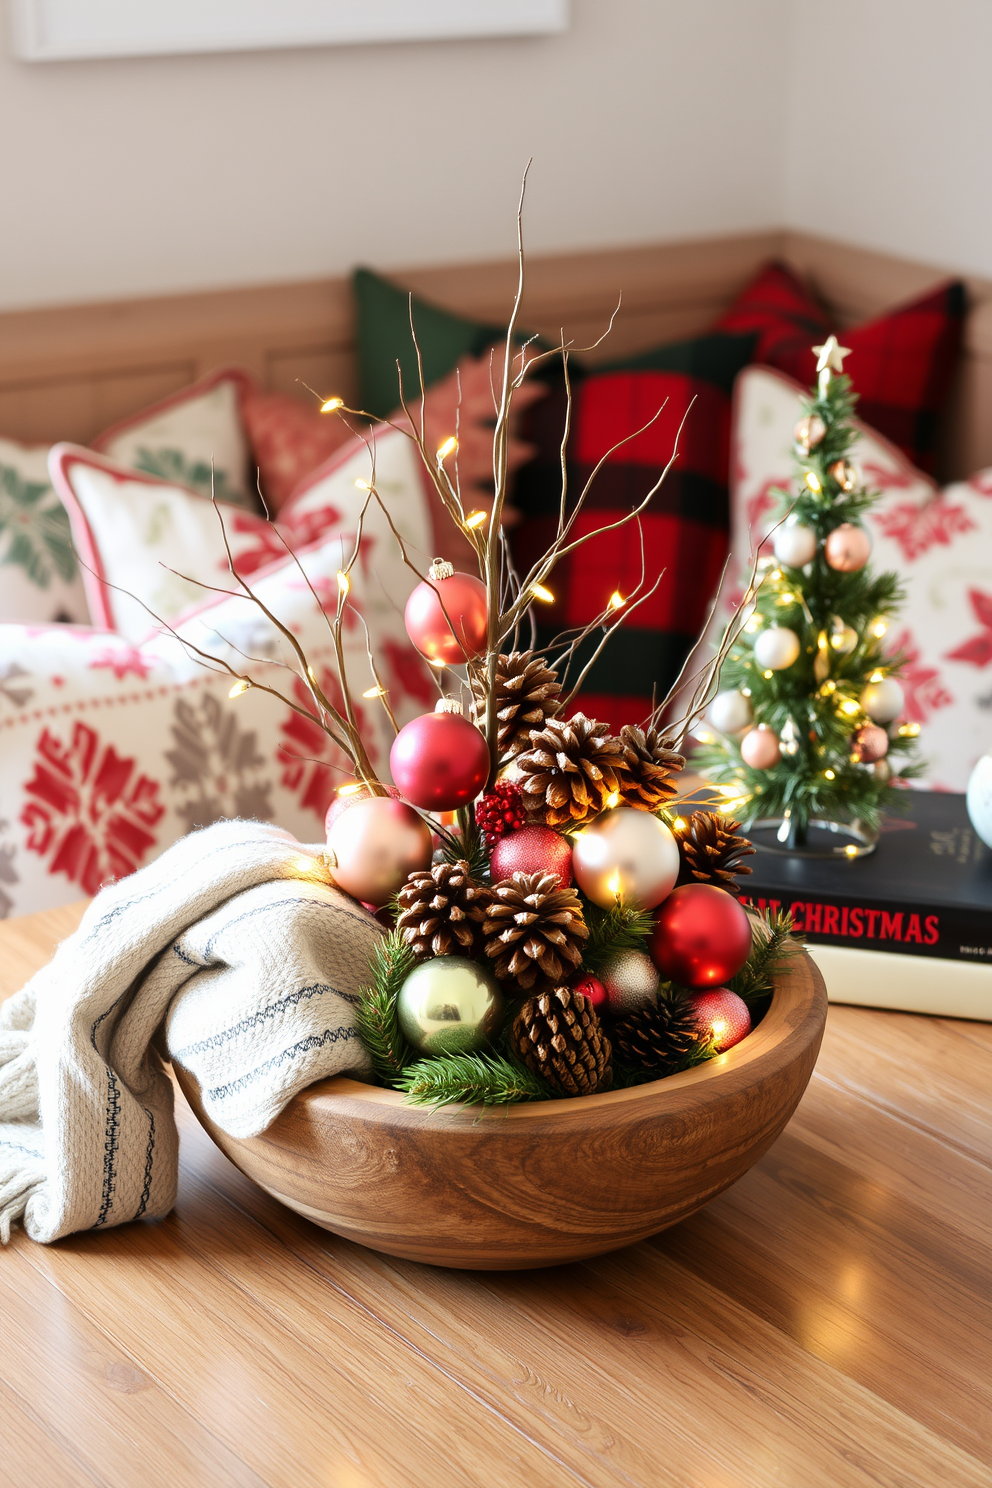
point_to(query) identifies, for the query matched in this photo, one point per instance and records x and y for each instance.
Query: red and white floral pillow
(939, 541)
(110, 750)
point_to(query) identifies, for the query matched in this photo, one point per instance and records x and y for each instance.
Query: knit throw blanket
(234, 946)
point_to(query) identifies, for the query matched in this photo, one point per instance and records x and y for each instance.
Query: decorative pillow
(110, 751)
(684, 528)
(939, 541)
(39, 576)
(193, 439)
(902, 363)
(288, 440)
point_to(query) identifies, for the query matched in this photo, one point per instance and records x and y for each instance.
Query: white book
(908, 984)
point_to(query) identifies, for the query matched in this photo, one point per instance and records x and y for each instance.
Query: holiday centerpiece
(558, 925)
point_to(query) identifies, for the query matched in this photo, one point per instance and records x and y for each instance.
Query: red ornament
(722, 1016)
(350, 796)
(500, 811)
(447, 619)
(702, 936)
(870, 743)
(532, 850)
(439, 761)
(592, 988)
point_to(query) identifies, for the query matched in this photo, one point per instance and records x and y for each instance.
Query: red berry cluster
(500, 811)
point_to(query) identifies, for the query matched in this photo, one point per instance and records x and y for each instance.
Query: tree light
(850, 707)
(332, 405)
(362, 485)
(544, 595)
(829, 775)
(373, 692)
(879, 628)
(850, 850)
(813, 482)
(242, 685)
(908, 730)
(614, 885)
(448, 447)
(476, 519)
(876, 677)
(616, 600)
(767, 676)
(613, 799)
(344, 583)
(349, 790)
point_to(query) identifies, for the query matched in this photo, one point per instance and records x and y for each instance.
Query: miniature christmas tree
(809, 715)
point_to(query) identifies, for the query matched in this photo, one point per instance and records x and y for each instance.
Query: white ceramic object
(979, 798)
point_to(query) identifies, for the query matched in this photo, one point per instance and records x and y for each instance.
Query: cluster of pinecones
(569, 769)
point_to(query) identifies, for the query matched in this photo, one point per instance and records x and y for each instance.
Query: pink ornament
(373, 847)
(847, 548)
(870, 743)
(592, 988)
(532, 850)
(447, 618)
(760, 748)
(722, 1016)
(350, 796)
(702, 936)
(439, 761)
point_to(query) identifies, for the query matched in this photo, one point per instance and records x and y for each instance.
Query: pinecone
(568, 770)
(711, 851)
(649, 767)
(658, 1035)
(441, 910)
(534, 930)
(527, 692)
(560, 1038)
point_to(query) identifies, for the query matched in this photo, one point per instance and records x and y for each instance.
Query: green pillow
(383, 336)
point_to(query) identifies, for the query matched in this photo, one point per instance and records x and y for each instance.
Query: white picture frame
(65, 30)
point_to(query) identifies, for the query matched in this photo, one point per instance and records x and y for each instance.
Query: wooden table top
(828, 1321)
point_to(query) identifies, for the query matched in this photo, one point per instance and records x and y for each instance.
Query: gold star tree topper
(830, 358)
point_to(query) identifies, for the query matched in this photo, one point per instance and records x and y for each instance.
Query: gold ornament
(809, 432)
(449, 1005)
(847, 476)
(843, 638)
(627, 857)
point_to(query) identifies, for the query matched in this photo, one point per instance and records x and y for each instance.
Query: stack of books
(908, 927)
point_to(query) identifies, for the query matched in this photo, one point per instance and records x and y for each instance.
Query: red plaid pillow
(902, 363)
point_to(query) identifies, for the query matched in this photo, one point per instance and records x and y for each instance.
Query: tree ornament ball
(625, 856)
(350, 796)
(871, 743)
(592, 988)
(440, 761)
(721, 1016)
(760, 748)
(794, 545)
(776, 648)
(730, 712)
(532, 850)
(449, 1005)
(789, 738)
(447, 617)
(847, 476)
(374, 846)
(631, 982)
(883, 701)
(843, 638)
(882, 772)
(979, 798)
(702, 936)
(848, 548)
(809, 432)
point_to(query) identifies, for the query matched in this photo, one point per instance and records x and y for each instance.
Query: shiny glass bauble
(532, 850)
(440, 761)
(447, 618)
(702, 937)
(374, 846)
(449, 1005)
(625, 856)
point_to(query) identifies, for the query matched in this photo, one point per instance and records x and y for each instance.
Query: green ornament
(449, 1005)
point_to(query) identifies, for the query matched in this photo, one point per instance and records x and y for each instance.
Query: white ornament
(730, 712)
(883, 701)
(625, 856)
(979, 798)
(794, 545)
(776, 648)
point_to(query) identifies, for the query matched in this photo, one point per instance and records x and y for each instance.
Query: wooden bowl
(542, 1183)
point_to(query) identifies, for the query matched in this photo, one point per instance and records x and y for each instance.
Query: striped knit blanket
(231, 954)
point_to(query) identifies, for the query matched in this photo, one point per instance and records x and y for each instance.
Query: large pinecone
(568, 771)
(441, 910)
(560, 1038)
(658, 1035)
(650, 765)
(534, 930)
(527, 693)
(711, 851)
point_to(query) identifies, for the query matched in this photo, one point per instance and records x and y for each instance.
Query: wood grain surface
(825, 1323)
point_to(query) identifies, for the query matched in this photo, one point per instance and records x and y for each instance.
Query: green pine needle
(619, 928)
(471, 1080)
(768, 954)
(375, 1016)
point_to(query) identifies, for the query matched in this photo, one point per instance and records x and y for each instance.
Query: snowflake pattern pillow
(111, 750)
(938, 541)
(39, 576)
(195, 439)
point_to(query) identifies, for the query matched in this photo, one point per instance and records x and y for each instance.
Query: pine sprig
(375, 1015)
(469, 846)
(471, 1080)
(619, 928)
(756, 977)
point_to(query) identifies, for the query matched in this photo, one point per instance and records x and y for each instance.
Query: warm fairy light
(349, 790)
(813, 482)
(879, 628)
(614, 884)
(372, 692)
(908, 730)
(876, 677)
(332, 405)
(448, 447)
(362, 485)
(242, 685)
(432, 661)
(732, 792)
(616, 600)
(850, 707)
(613, 799)
(476, 519)
(776, 575)
(344, 583)
(544, 595)
(767, 675)
(679, 824)
(850, 851)
(786, 599)
(753, 624)
(304, 865)
(829, 775)
(828, 687)
(704, 737)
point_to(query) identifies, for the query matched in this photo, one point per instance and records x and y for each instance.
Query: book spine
(912, 930)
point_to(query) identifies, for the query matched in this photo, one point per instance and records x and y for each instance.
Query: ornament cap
(441, 569)
(448, 705)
